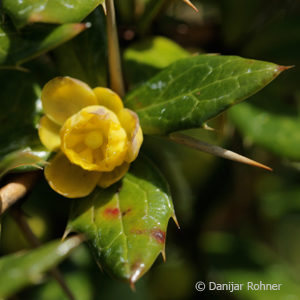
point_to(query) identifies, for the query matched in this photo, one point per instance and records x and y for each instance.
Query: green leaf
(277, 132)
(17, 48)
(21, 269)
(194, 90)
(54, 11)
(20, 158)
(126, 223)
(146, 58)
(19, 113)
(85, 56)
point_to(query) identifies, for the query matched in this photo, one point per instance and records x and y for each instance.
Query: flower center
(94, 139)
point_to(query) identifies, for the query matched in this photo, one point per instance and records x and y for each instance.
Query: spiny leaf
(21, 269)
(54, 11)
(126, 223)
(194, 90)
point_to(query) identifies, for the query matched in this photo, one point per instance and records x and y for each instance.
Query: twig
(20, 219)
(186, 140)
(114, 59)
(16, 189)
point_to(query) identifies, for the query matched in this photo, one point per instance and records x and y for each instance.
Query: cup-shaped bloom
(95, 136)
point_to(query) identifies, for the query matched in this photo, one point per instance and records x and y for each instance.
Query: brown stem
(20, 219)
(114, 59)
(16, 189)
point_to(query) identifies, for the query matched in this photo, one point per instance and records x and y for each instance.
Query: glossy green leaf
(146, 58)
(54, 11)
(277, 132)
(19, 112)
(20, 158)
(194, 90)
(126, 223)
(21, 269)
(85, 57)
(17, 48)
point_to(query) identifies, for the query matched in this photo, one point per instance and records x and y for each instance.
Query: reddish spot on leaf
(198, 93)
(125, 212)
(138, 231)
(111, 212)
(159, 235)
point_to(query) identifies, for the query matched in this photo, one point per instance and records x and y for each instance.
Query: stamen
(94, 139)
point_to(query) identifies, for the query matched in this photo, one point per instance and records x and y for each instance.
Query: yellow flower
(95, 136)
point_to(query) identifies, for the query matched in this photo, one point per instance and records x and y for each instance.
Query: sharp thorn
(132, 286)
(104, 8)
(163, 254)
(175, 221)
(207, 127)
(215, 150)
(283, 68)
(189, 3)
(66, 233)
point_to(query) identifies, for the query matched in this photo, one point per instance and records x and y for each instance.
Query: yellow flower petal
(116, 148)
(64, 96)
(130, 122)
(49, 134)
(94, 139)
(68, 179)
(108, 178)
(109, 99)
